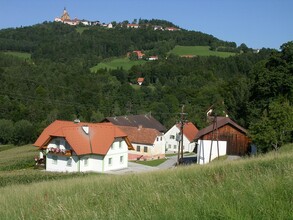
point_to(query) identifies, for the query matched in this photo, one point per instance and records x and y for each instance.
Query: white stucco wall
(116, 152)
(153, 150)
(88, 163)
(172, 143)
(205, 147)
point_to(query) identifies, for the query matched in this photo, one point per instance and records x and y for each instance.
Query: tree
(275, 127)
(6, 131)
(24, 132)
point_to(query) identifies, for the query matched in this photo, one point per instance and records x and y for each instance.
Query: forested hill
(64, 43)
(45, 75)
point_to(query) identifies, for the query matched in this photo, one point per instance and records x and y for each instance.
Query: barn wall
(237, 142)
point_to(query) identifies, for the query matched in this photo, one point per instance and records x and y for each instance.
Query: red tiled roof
(221, 121)
(139, 53)
(189, 130)
(140, 135)
(97, 141)
(140, 79)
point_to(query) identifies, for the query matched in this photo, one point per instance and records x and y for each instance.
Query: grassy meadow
(21, 55)
(17, 166)
(198, 51)
(115, 63)
(253, 188)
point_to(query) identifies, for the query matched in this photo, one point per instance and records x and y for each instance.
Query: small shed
(225, 129)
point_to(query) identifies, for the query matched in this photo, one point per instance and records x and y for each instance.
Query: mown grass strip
(152, 163)
(198, 51)
(117, 63)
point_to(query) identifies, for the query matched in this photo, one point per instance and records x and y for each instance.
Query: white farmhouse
(66, 146)
(148, 143)
(172, 137)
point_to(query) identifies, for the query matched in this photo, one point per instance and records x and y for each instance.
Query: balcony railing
(61, 152)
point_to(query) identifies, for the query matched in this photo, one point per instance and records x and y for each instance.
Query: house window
(121, 159)
(86, 161)
(67, 146)
(145, 149)
(172, 136)
(169, 146)
(120, 144)
(138, 148)
(54, 160)
(175, 147)
(157, 138)
(161, 138)
(69, 162)
(57, 143)
(110, 161)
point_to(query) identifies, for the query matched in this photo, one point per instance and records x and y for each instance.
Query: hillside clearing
(116, 63)
(21, 55)
(198, 51)
(253, 188)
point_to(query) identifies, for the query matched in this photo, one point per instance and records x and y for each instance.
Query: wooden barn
(224, 129)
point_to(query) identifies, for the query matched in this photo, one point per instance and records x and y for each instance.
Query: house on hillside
(172, 137)
(138, 53)
(133, 26)
(69, 146)
(224, 129)
(144, 120)
(153, 58)
(148, 143)
(172, 29)
(140, 80)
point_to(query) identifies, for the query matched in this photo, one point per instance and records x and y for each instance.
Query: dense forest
(255, 89)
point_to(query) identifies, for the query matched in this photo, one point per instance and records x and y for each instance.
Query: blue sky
(257, 23)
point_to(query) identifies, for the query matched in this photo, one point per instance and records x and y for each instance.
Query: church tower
(65, 15)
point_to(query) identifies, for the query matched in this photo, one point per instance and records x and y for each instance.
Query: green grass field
(22, 55)
(115, 63)
(252, 188)
(198, 51)
(17, 166)
(152, 163)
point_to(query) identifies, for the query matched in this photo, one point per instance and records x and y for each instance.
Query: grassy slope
(198, 51)
(22, 55)
(126, 64)
(115, 63)
(256, 188)
(17, 167)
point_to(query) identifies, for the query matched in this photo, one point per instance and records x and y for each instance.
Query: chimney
(76, 121)
(139, 127)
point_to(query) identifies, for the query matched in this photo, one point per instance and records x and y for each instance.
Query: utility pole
(182, 122)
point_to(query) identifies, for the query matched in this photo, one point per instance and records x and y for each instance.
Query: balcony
(61, 152)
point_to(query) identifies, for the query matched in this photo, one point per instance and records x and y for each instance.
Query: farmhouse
(133, 26)
(144, 120)
(148, 143)
(69, 146)
(224, 129)
(172, 137)
(153, 58)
